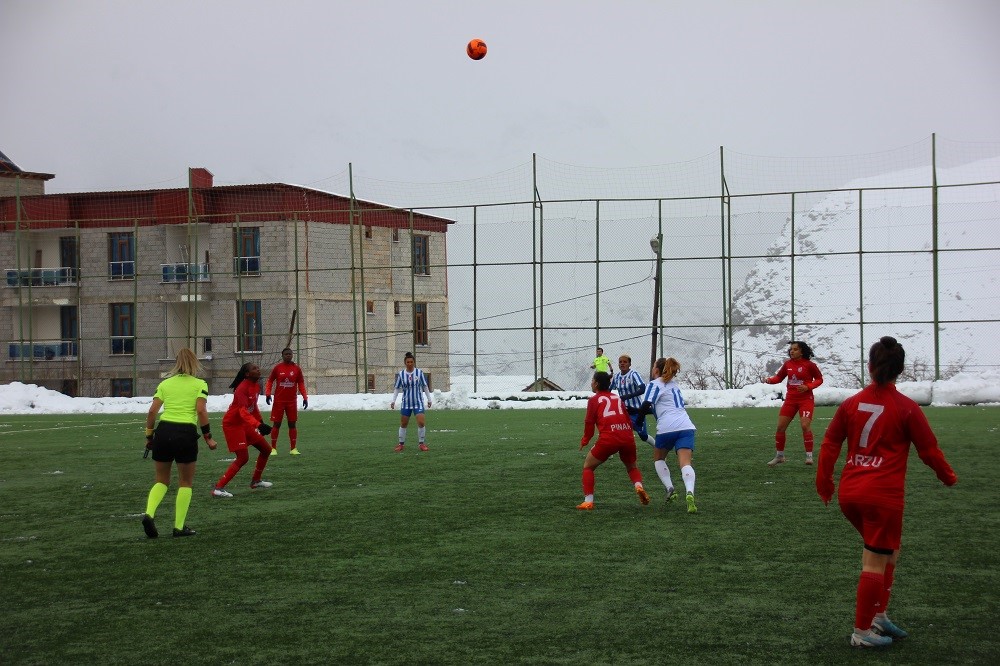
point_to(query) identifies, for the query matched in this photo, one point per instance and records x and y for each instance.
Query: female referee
(183, 397)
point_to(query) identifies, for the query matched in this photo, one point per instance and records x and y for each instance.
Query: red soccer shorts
(241, 436)
(805, 407)
(602, 451)
(288, 409)
(880, 527)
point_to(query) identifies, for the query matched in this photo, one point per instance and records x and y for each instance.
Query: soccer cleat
(260, 484)
(274, 450)
(643, 495)
(585, 506)
(219, 492)
(690, 502)
(671, 495)
(149, 527)
(809, 459)
(776, 460)
(294, 452)
(423, 447)
(187, 531)
(885, 626)
(399, 448)
(869, 640)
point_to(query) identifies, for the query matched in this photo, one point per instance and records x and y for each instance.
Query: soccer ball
(476, 49)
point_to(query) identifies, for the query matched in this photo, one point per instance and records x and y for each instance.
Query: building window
(246, 250)
(395, 307)
(420, 323)
(121, 387)
(122, 328)
(421, 254)
(395, 234)
(370, 307)
(121, 256)
(371, 383)
(68, 330)
(207, 346)
(68, 259)
(249, 327)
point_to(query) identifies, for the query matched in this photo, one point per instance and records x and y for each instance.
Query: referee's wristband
(149, 432)
(206, 429)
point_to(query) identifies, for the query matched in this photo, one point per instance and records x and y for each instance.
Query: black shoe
(187, 531)
(149, 527)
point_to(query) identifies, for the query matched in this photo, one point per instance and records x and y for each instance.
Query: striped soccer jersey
(668, 406)
(412, 386)
(629, 384)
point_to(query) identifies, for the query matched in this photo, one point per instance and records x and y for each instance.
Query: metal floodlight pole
(656, 244)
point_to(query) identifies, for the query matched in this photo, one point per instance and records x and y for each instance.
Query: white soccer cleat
(219, 492)
(260, 484)
(775, 461)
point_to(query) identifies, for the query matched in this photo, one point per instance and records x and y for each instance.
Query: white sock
(638, 484)
(650, 440)
(687, 472)
(588, 498)
(420, 434)
(663, 472)
(402, 435)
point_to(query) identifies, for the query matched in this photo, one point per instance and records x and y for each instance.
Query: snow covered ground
(505, 393)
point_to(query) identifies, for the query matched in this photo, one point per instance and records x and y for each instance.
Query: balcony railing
(185, 273)
(122, 345)
(41, 277)
(50, 350)
(246, 265)
(121, 270)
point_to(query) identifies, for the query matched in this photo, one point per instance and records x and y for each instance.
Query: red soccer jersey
(243, 411)
(606, 412)
(878, 423)
(799, 373)
(285, 378)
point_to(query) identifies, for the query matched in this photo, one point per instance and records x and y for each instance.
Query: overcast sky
(126, 94)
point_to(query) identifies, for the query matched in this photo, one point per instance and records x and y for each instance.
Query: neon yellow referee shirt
(179, 395)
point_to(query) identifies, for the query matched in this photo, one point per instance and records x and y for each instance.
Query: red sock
(779, 441)
(635, 475)
(807, 439)
(241, 459)
(293, 435)
(870, 589)
(588, 481)
(889, 575)
(274, 438)
(258, 469)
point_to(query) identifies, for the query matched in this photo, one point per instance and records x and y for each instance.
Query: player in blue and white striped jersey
(674, 429)
(412, 383)
(630, 388)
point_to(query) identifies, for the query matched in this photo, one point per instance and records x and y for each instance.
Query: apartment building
(103, 288)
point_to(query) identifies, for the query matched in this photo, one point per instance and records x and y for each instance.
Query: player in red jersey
(606, 412)
(803, 376)
(287, 380)
(243, 428)
(879, 423)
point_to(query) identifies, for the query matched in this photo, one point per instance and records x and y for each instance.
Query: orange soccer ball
(476, 49)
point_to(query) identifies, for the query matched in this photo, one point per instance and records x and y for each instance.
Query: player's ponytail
(885, 360)
(667, 368)
(241, 375)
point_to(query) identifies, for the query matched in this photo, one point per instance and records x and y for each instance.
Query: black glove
(267, 399)
(305, 403)
(264, 429)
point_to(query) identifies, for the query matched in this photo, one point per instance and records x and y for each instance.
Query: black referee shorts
(175, 441)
